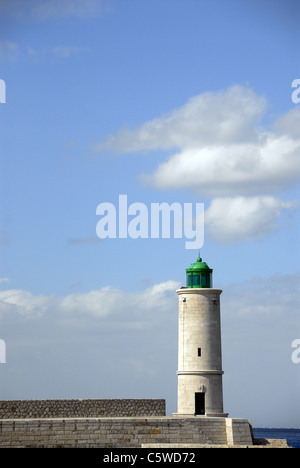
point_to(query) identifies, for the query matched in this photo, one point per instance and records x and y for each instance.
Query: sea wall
(77, 408)
(122, 432)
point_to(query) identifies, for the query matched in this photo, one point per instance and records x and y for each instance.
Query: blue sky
(164, 101)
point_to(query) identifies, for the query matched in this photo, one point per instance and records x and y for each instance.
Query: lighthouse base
(200, 393)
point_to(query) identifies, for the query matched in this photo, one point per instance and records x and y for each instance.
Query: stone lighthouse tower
(199, 372)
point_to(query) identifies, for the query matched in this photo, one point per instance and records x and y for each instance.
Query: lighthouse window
(196, 280)
(205, 281)
(199, 352)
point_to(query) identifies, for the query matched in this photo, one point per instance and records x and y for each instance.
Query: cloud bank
(208, 119)
(220, 150)
(131, 308)
(101, 344)
(232, 219)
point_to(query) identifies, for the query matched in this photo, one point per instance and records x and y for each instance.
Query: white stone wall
(120, 432)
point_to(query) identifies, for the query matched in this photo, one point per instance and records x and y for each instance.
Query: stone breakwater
(122, 432)
(79, 408)
(126, 423)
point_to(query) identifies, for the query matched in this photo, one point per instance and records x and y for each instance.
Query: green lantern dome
(199, 275)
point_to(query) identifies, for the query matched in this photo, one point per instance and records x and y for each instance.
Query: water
(291, 435)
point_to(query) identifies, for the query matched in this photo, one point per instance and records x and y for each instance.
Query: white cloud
(129, 350)
(232, 219)
(223, 151)
(260, 320)
(41, 10)
(241, 169)
(9, 50)
(24, 303)
(207, 119)
(4, 280)
(289, 124)
(44, 9)
(61, 51)
(276, 297)
(132, 308)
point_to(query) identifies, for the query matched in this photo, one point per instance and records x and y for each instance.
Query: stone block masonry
(122, 432)
(77, 408)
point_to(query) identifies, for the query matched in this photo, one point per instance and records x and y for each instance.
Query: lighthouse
(200, 391)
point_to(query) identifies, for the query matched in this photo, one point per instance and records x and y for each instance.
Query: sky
(164, 101)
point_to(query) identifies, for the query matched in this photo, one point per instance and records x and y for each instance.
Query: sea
(291, 435)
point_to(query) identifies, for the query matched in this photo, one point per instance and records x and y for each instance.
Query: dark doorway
(200, 403)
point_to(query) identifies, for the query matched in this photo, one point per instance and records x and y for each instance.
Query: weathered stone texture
(199, 331)
(116, 432)
(77, 408)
